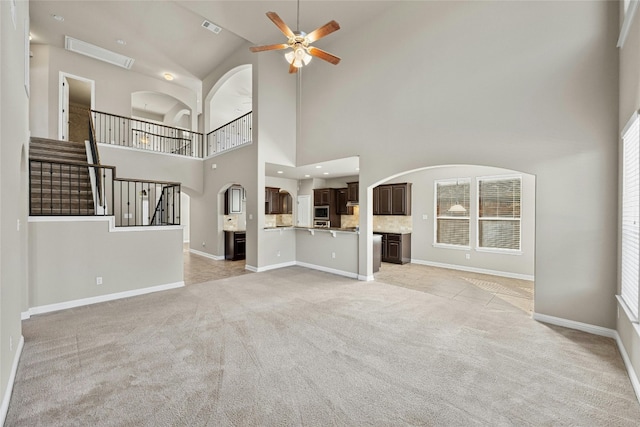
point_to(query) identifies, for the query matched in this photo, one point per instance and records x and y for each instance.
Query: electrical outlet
(18, 225)
(98, 280)
(467, 256)
(204, 244)
(333, 254)
(278, 253)
(425, 216)
(250, 216)
(10, 343)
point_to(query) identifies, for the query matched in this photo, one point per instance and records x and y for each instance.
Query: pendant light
(457, 208)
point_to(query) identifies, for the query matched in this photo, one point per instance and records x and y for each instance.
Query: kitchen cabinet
(235, 245)
(271, 200)
(342, 208)
(385, 200)
(323, 196)
(353, 192)
(392, 199)
(396, 247)
(233, 200)
(286, 203)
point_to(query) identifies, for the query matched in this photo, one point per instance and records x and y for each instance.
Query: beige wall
(629, 102)
(14, 134)
(125, 259)
(526, 86)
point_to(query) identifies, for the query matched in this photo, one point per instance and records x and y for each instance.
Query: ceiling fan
(300, 42)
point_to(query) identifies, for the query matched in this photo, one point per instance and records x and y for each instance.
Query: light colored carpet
(300, 347)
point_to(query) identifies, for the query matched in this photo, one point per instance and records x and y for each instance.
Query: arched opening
(471, 232)
(160, 108)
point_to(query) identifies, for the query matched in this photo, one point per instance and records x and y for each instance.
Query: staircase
(60, 183)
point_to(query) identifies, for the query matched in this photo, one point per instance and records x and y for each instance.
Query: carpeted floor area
(300, 347)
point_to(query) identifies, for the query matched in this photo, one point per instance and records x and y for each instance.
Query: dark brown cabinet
(396, 247)
(384, 200)
(271, 200)
(286, 203)
(342, 208)
(323, 196)
(353, 192)
(392, 199)
(235, 243)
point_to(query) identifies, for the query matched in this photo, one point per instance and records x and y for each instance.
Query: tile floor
(482, 290)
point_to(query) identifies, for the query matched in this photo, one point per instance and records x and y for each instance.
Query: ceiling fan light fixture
(297, 57)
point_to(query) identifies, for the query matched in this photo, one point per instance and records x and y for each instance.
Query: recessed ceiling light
(325, 173)
(280, 172)
(168, 76)
(307, 176)
(357, 169)
(318, 167)
(122, 42)
(58, 18)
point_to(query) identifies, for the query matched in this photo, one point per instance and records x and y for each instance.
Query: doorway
(76, 100)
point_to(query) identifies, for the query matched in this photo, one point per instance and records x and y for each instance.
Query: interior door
(303, 213)
(64, 110)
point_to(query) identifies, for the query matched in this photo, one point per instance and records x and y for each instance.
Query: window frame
(631, 306)
(504, 251)
(452, 181)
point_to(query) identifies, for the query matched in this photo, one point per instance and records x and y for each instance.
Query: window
(630, 214)
(452, 212)
(499, 213)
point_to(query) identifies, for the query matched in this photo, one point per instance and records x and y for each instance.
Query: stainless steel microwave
(321, 212)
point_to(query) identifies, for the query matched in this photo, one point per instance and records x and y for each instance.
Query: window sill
(500, 251)
(629, 314)
(455, 247)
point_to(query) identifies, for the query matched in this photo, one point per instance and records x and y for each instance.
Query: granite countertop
(345, 230)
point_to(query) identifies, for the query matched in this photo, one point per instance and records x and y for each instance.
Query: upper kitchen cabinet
(323, 196)
(233, 200)
(342, 197)
(286, 203)
(271, 200)
(353, 192)
(392, 199)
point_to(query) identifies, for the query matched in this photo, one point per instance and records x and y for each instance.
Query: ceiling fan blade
(268, 47)
(292, 69)
(323, 31)
(280, 24)
(319, 53)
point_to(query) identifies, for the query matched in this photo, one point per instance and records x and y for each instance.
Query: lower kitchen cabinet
(235, 243)
(396, 247)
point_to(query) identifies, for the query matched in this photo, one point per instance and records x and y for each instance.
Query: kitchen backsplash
(234, 223)
(350, 221)
(270, 221)
(392, 223)
(284, 220)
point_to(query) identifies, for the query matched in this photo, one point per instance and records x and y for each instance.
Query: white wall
(14, 135)
(527, 86)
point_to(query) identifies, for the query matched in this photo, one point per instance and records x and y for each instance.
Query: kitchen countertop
(344, 230)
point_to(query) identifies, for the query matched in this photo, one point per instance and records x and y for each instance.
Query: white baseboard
(328, 270)
(474, 270)
(366, 278)
(251, 268)
(206, 255)
(572, 324)
(12, 377)
(633, 376)
(102, 298)
(273, 266)
(597, 330)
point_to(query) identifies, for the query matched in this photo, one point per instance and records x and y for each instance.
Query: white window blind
(630, 214)
(452, 212)
(499, 213)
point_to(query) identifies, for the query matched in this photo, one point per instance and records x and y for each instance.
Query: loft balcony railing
(82, 189)
(133, 133)
(236, 133)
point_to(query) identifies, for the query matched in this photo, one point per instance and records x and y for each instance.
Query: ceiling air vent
(211, 27)
(96, 52)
